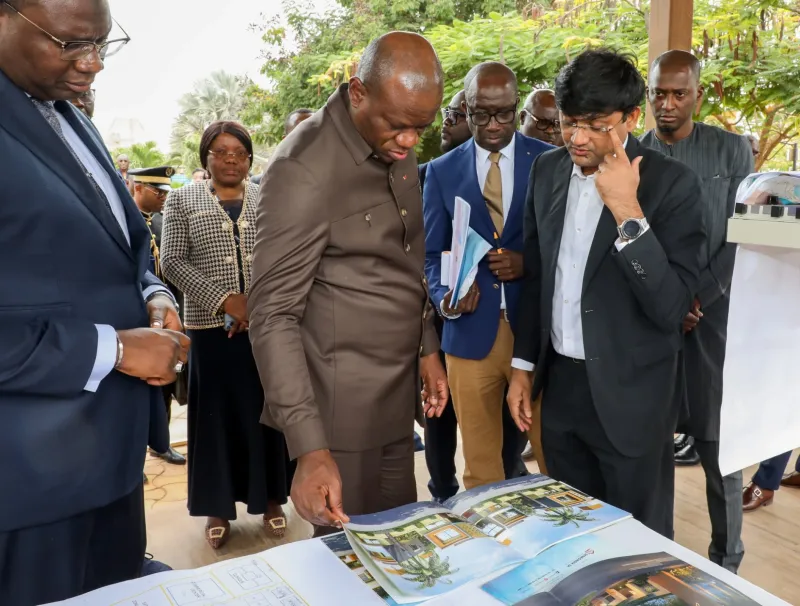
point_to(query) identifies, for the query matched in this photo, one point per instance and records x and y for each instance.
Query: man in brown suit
(340, 322)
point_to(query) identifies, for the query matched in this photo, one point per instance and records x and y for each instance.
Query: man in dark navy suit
(87, 333)
(490, 172)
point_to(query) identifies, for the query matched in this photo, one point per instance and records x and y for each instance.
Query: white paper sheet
(761, 397)
(300, 574)
(461, 213)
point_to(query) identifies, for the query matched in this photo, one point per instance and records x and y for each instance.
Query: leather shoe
(754, 497)
(687, 455)
(171, 456)
(792, 480)
(680, 441)
(528, 454)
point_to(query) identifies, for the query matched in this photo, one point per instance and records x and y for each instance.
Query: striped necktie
(48, 110)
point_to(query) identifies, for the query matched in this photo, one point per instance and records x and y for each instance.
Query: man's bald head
(396, 93)
(675, 94)
(491, 99)
(539, 117)
(490, 72)
(676, 60)
(401, 56)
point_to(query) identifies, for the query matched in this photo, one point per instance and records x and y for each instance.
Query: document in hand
(466, 252)
(423, 550)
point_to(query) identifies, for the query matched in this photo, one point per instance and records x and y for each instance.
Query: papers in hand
(460, 264)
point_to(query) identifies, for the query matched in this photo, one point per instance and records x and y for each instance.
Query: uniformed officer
(150, 189)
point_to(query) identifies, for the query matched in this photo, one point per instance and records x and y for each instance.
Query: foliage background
(748, 48)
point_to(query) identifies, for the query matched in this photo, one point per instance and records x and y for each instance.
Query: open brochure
(423, 550)
(609, 568)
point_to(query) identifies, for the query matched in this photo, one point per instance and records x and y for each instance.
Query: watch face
(631, 228)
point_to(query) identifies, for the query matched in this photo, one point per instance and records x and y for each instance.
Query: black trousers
(577, 451)
(63, 559)
(441, 440)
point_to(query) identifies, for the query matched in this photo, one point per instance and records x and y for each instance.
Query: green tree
(748, 49)
(221, 96)
(301, 45)
(561, 516)
(427, 571)
(142, 155)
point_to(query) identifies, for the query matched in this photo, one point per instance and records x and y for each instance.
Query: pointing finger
(619, 149)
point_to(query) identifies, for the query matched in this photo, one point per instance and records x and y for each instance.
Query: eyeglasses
(77, 50)
(546, 125)
(159, 193)
(570, 128)
(239, 154)
(453, 115)
(504, 116)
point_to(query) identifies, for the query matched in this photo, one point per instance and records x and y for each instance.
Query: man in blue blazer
(491, 173)
(86, 332)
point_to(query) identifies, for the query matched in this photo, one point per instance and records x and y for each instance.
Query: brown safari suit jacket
(339, 311)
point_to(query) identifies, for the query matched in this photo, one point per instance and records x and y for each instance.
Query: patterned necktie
(493, 192)
(48, 110)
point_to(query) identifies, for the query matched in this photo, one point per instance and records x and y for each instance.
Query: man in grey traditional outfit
(721, 159)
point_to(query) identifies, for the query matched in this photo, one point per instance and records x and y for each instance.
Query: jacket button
(408, 247)
(403, 212)
(244, 224)
(249, 258)
(228, 259)
(496, 286)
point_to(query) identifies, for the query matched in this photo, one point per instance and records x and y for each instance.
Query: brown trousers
(477, 388)
(375, 480)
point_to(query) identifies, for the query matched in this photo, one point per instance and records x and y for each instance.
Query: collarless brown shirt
(339, 304)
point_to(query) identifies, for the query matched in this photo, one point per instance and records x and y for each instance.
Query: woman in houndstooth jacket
(206, 251)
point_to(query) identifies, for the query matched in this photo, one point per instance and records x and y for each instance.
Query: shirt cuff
(447, 315)
(521, 364)
(150, 290)
(106, 356)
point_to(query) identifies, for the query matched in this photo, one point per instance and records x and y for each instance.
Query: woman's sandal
(275, 526)
(217, 536)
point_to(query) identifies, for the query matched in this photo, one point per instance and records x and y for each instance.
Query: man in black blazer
(82, 322)
(613, 240)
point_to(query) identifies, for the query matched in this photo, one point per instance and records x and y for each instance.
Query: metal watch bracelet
(120, 353)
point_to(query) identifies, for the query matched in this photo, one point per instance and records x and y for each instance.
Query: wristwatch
(630, 229)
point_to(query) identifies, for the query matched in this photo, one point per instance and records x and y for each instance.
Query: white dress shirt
(506, 163)
(106, 335)
(582, 214)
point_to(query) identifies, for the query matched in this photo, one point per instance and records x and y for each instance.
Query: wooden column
(670, 29)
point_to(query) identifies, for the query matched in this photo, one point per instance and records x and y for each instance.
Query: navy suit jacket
(472, 336)
(65, 267)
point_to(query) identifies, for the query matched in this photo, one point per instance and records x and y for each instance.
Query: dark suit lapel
(95, 203)
(554, 221)
(522, 164)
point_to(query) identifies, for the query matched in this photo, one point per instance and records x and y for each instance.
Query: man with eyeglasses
(613, 245)
(490, 173)
(150, 189)
(722, 160)
(539, 118)
(88, 333)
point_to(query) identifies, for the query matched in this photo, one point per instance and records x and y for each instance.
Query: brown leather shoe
(754, 497)
(792, 480)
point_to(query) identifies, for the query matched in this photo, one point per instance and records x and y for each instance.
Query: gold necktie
(493, 192)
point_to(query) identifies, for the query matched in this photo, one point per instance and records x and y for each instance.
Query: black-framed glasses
(453, 114)
(545, 125)
(80, 49)
(504, 116)
(239, 155)
(593, 131)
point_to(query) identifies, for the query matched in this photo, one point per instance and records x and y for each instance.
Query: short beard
(668, 128)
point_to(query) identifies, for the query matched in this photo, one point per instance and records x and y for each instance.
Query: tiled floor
(771, 535)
